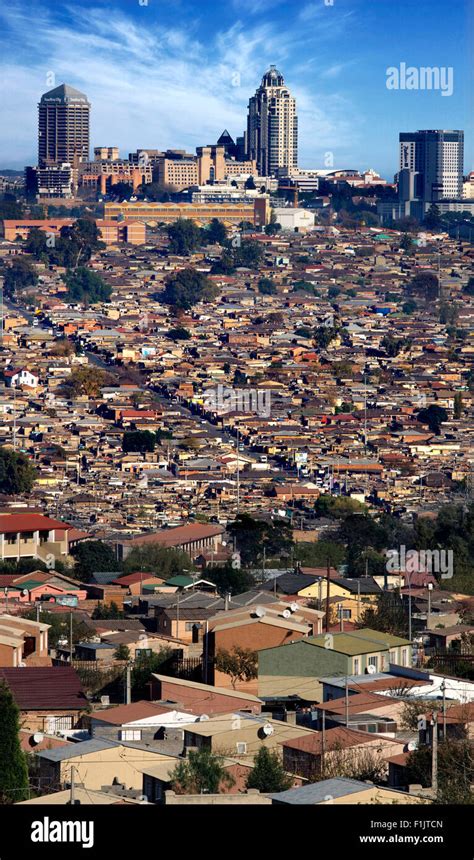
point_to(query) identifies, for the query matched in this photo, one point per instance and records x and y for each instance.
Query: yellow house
(351, 597)
(96, 763)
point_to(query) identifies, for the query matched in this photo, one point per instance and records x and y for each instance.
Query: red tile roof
(45, 688)
(177, 536)
(28, 523)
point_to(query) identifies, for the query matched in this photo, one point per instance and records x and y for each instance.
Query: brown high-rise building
(63, 127)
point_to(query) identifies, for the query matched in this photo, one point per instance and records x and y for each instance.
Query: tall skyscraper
(63, 127)
(438, 159)
(272, 125)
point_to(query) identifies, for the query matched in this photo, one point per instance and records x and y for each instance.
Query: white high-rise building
(438, 158)
(272, 126)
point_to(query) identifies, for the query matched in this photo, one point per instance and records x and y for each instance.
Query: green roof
(29, 584)
(180, 580)
(357, 642)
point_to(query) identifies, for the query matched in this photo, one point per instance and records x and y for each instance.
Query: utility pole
(434, 755)
(347, 701)
(443, 690)
(238, 471)
(128, 691)
(72, 796)
(323, 743)
(327, 594)
(70, 637)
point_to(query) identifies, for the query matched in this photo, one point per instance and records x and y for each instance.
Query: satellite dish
(105, 700)
(25, 592)
(286, 613)
(412, 745)
(371, 670)
(38, 737)
(268, 730)
(260, 612)
(203, 718)
(294, 607)
(22, 665)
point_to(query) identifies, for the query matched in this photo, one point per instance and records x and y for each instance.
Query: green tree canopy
(155, 558)
(19, 275)
(139, 441)
(184, 236)
(86, 286)
(201, 772)
(268, 773)
(186, 288)
(253, 536)
(240, 664)
(17, 473)
(215, 233)
(93, 556)
(13, 767)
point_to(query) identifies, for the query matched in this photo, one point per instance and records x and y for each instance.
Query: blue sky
(175, 73)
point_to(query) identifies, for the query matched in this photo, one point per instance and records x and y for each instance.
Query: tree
(230, 580)
(433, 416)
(138, 441)
(121, 190)
(267, 287)
(107, 610)
(389, 616)
(469, 288)
(17, 474)
(249, 254)
(185, 288)
(155, 558)
(216, 233)
(19, 275)
(406, 242)
(337, 507)
(425, 284)
(13, 766)
(457, 413)
(179, 333)
(184, 236)
(392, 345)
(86, 286)
(93, 556)
(268, 773)
(409, 307)
(433, 217)
(143, 668)
(455, 770)
(253, 536)
(202, 772)
(240, 664)
(122, 652)
(86, 380)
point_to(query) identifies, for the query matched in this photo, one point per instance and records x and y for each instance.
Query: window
(241, 748)
(143, 652)
(374, 661)
(130, 735)
(356, 666)
(27, 536)
(404, 656)
(11, 539)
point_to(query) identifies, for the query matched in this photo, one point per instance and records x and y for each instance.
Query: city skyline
(152, 83)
